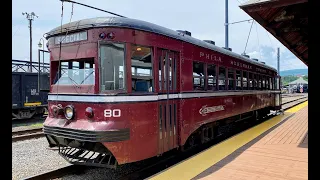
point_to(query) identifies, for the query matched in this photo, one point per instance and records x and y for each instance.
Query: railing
(24, 66)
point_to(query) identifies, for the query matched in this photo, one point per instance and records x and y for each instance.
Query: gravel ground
(101, 174)
(31, 157)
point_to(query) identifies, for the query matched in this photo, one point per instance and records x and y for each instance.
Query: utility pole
(226, 26)
(278, 61)
(30, 18)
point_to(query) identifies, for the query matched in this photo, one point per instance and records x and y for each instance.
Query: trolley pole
(30, 18)
(278, 57)
(226, 25)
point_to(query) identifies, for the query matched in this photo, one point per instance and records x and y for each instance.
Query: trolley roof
(145, 26)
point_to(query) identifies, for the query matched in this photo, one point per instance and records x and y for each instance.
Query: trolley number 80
(112, 113)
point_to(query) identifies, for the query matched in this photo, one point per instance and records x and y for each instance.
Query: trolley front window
(112, 76)
(76, 72)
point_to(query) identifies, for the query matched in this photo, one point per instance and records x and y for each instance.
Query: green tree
(287, 79)
(305, 78)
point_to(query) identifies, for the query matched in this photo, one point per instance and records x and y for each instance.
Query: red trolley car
(134, 90)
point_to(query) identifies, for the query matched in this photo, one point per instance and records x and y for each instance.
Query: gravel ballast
(31, 157)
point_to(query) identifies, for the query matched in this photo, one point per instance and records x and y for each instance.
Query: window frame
(250, 79)
(200, 77)
(233, 79)
(263, 82)
(247, 80)
(270, 83)
(255, 81)
(153, 74)
(82, 62)
(238, 80)
(225, 78)
(215, 78)
(125, 64)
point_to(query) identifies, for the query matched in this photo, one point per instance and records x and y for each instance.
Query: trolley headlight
(69, 112)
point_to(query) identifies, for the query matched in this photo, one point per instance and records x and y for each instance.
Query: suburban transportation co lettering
(239, 64)
(206, 110)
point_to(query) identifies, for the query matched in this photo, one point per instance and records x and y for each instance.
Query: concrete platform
(276, 149)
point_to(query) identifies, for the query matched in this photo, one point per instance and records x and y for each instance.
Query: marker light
(89, 112)
(110, 35)
(69, 112)
(102, 35)
(56, 110)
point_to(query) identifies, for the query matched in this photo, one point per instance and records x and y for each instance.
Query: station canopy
(298, 81)
(286, 20)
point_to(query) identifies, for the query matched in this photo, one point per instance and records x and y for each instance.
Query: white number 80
(112, 113)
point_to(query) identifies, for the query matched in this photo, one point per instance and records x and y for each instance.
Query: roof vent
(229, 49)
(255, 59)
(263, 62)
(184, 32)
(245, 55)
(210, 42)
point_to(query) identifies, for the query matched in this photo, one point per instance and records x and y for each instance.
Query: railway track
(43, 117)
(155, 165)
(27, 134)
(292, 95)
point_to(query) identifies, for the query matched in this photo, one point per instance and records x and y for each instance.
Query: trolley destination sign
(70, 38)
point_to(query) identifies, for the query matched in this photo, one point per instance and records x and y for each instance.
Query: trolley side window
(245, 80)
(238, 79)
(198, 76)
(255, 84)
(263, 82)
(212, 78)
(251, 81)
(231, 79)
(259, 82)
(222, 78)
(270, 82)
(112, 75)
(141, 69)
(277, 83)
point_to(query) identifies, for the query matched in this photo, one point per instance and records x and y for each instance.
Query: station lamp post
(41, 45)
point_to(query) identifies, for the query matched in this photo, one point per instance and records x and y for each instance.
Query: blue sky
(204, 19)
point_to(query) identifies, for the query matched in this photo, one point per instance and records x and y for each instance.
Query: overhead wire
(258, 39)
(93, 8)
(281, 59)
(16, 31)
(244, 52)
(18, 27)
(275, 50)
(60, 47)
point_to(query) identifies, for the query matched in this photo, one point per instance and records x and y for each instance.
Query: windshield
(112, 76)
(76, 73)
